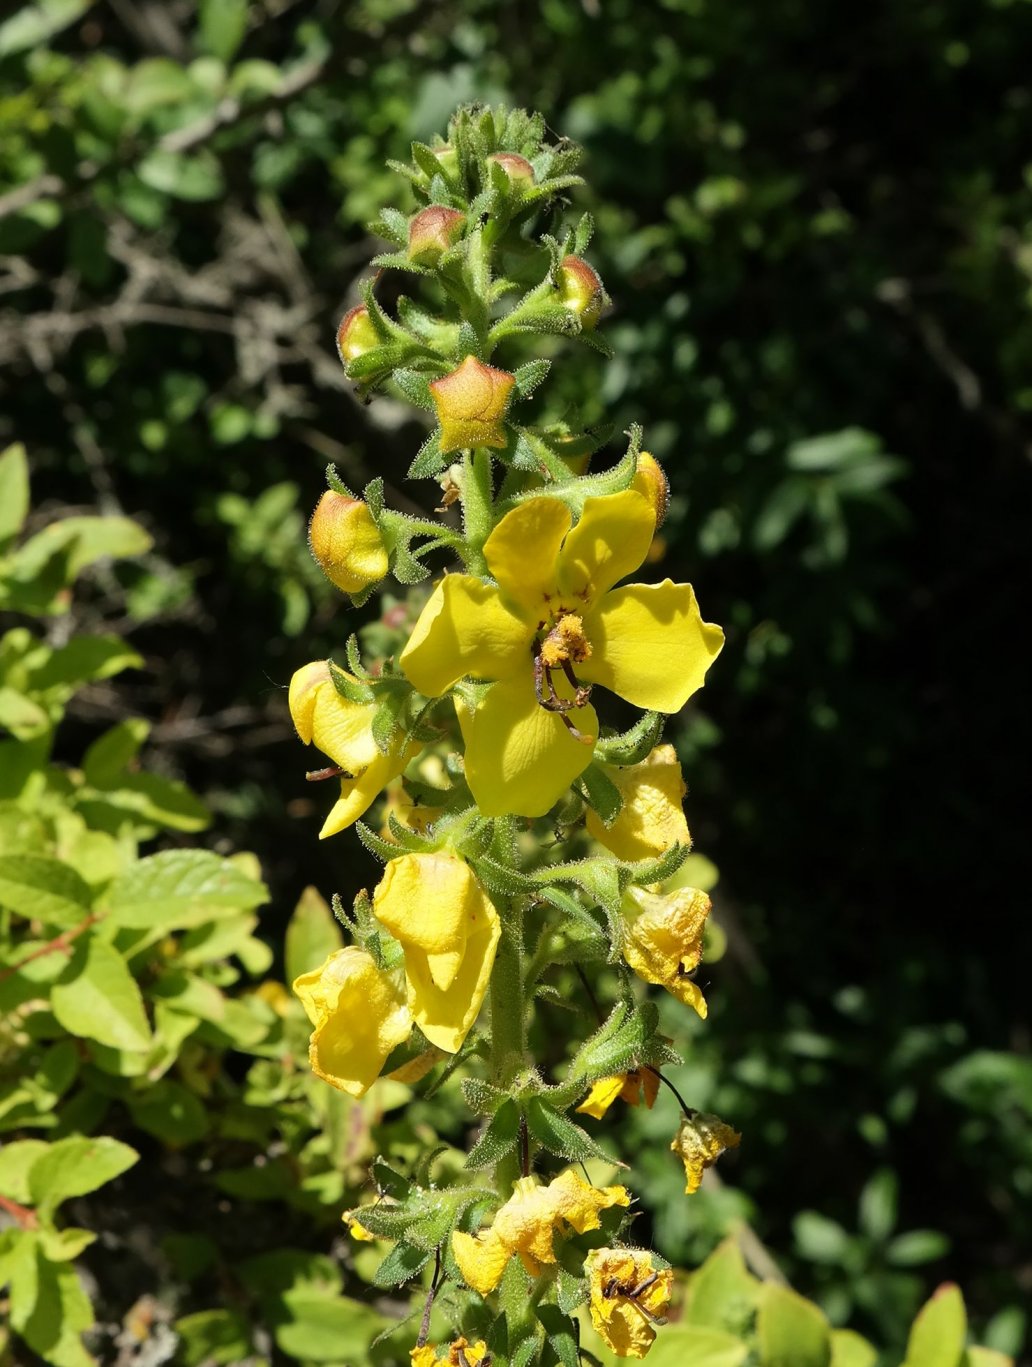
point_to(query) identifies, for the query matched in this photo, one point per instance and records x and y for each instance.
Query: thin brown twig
(58, 945)
(22, 1214)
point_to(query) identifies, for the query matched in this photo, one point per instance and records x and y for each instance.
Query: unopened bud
(433, 231)
(471, 404)
(650, 480)
(517, 168)
(346, 542)
(581, 290)
(356, 334)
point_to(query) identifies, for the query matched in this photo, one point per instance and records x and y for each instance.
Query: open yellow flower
(550, 628)
(359, 1014)
(700, 1140)
(663, 939)
(343, 731)
(627, 1297)
(526, 1224)
(461, 1353)
(640, 1084)
(446, 924)
(652, 818)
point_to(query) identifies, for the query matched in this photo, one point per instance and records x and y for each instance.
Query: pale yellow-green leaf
(14, 489)
(721, 1293)
(312, 934)
(75, 1166)
(848, 1349)
(178, 887)
(790, 1331)
(97, 998)
(938, 1333)
(44, 889)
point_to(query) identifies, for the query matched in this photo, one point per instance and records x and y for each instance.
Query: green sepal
(415, 386)
(386, 720)
(392, 226)
(384, 850)
(481, 1096)
(408, 839)
(469, 343)
(647, 871)
(428, 460)
(571, 908)
(351, 650)
(424, 159)
(559, 1135)
(529, 376)
(570, 1291)
(398, 261)
(373, 495)
(354, 690)
(499, 1138)
(583, 234)
(601, 793)
(334, 482)
(633, 745)
(560, 1334)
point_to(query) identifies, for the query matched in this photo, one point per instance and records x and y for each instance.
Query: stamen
(577, 735)
(331, 771)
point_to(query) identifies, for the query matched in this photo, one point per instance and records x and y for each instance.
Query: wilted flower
(359, 1015)
(526, 1224)
(634, 1087)
(627, 1297)
(663, 939)
(651, 818)
(446, 924)
(700, 1140)
(471, 402)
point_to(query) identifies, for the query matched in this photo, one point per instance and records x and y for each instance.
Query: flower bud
(432, 232)
(581, 290)
(471, 404)
(650, 480)
(346, 542)
(517, 168)
(356, 334)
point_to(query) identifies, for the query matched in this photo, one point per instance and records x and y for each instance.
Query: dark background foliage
(814, 221)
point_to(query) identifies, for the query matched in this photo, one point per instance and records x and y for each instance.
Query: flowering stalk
(484, 723)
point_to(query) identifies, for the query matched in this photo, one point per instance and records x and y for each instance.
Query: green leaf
(212, 1336)
(222, 26)
(34, 24)
(170, 1112)
(75, 1166)
(938, 1334)
(878, 1205)
(559, 1330)
(84, 660)
(16, 1160)
(170, 888)
(685, 1344)
(848, 1349)
(44, 889)
(14, 486)
(312, 934)
(64, 1245)
(722, 1294)
(498, 1138)
(401, 1264)
(59, 1312)
(986, 1357)
(559, 1135)
(106, 759)
(790, 1331)
(917, 1246)
(97, 998)
(20, 715)
(84, 540)
(326, 1329)
(818, 1238)
(195, 177)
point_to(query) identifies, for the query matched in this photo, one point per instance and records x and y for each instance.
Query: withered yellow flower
(640, 1084)
(526, 1225)
(346, 542)
(359, 1014)
(652, 818)
(449, 928)
(663, 939)
(474, 1354)
(549, 628)
(700, 1140)
(628, 1296)
(471, 403)
(343, 731)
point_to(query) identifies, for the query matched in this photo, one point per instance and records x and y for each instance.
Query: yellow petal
(481, 1259)
(522, 551)
(359, 793)
(449, 929)
(465, 628)
(471, 402)
(602, 1095)
(343, 730)
(611, 539)
(650, 645)
(520, 758)
(359, 1016)
(305, 685)
(423, 1357)
(620, 1313)
(652, 818)
(579, 1203)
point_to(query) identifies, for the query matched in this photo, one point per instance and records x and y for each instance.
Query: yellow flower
(346, 542)
(461, 1353)
(343, 730)
(424, 1356)
(651, 819)
(640, 1084)
(700, 1140)
(525, 1225)
(628, 1296)
(449, 929)
(471, 403)
(357, 1230)
(663, 939)
(359, 1015)
(549, 628)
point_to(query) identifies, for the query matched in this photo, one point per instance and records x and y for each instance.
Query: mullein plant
(522, 831)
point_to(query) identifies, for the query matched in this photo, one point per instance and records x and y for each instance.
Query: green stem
(477, 507)
(508, 1024)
